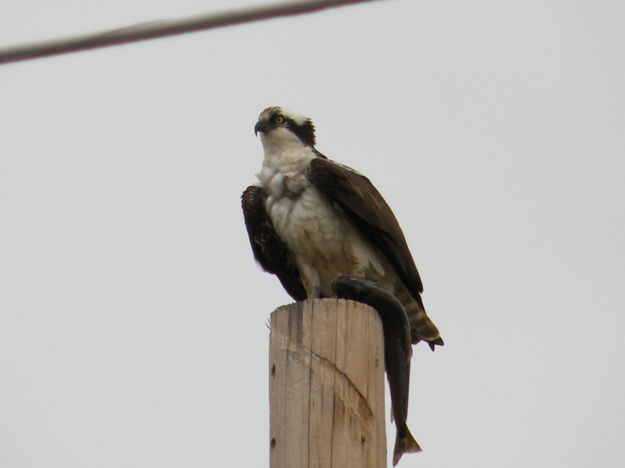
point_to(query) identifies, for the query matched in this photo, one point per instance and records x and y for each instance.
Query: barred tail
(421, 327)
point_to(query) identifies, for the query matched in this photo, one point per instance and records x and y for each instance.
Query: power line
(154, 29)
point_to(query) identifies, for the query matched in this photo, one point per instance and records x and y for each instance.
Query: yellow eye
(279, 119)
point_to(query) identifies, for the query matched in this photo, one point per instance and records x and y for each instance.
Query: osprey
(311, 219)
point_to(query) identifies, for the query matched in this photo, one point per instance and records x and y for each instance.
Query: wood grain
(326, 389)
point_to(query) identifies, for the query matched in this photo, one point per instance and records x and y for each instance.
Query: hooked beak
(262, 126)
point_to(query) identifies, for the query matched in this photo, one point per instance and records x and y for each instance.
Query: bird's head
(277, 125)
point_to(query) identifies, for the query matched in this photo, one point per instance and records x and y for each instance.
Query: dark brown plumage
(366, 208)
(269, 250)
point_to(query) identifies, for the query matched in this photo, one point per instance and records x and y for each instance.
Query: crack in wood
(303, 354)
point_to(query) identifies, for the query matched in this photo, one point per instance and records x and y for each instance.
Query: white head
(279, 127)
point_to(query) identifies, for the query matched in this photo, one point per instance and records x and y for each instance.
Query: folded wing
(356, 196)
(269, 250)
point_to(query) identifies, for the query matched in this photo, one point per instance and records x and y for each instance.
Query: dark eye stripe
(305, 132)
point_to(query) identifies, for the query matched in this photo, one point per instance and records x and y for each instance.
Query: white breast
(302, 218)
(324, 242)
(307, 224)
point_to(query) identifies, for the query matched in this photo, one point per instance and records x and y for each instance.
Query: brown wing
(369, 213)
(269, 250)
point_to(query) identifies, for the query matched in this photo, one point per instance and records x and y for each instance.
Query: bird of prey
(311, 219)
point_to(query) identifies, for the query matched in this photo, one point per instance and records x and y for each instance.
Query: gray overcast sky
(132, 315)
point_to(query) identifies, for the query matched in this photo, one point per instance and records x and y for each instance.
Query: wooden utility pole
(326, 386)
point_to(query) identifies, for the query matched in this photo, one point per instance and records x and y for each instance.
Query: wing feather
(370, 213)
(269, 250)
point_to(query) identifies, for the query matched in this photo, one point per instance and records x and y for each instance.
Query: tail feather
(421, 327)
(437, 341)
(404, 443)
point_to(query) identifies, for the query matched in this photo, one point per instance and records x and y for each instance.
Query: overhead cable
(155, 29)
